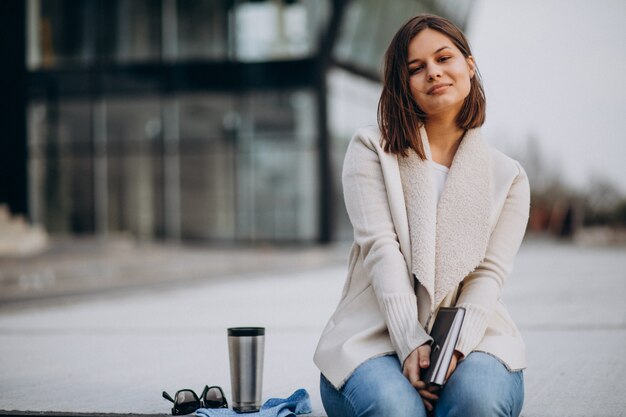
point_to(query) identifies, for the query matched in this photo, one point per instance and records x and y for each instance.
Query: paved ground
(118, 342)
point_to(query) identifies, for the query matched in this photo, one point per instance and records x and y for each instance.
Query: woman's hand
(457, 356)
(417, 360)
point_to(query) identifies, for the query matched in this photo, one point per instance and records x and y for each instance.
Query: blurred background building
(194, 120)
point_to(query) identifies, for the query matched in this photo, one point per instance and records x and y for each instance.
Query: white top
(441, 173)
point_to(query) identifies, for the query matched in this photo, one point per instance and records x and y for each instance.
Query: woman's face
(439, 73)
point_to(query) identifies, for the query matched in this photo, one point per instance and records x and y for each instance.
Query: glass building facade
(197, 119)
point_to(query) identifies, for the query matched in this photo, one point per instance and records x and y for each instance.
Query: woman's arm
(481, 289)
(368, 208)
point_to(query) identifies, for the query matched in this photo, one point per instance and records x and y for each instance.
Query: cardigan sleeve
(368, 208)
(481, 289)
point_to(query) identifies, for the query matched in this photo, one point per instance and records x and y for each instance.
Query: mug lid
(246, 331)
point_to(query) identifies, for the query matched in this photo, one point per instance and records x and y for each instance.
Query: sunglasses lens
(214, 398)
(185, 396)
(186, 402)
(214, 394)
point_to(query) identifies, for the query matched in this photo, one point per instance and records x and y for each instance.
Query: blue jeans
(481, 386)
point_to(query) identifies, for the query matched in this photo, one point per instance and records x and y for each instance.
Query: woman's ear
(472, 66)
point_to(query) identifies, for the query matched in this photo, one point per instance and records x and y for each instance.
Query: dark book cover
(445, 333)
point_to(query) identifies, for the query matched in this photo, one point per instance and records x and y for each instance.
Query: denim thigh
(481, 385)
(377, 388)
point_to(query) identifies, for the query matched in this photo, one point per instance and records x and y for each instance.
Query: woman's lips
(438, 89)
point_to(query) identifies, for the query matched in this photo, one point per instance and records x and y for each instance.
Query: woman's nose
(434, 72)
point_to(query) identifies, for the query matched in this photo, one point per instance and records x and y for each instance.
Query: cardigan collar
(448, 238)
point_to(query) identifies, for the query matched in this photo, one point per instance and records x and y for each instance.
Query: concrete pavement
(115, 351)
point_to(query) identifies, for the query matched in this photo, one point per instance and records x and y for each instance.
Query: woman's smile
(438, 89)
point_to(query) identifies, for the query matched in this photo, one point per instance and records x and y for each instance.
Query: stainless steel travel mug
(246, 347)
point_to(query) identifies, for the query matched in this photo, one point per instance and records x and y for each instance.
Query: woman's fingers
(453, 363)
(428, 405)
(424, 356)
(420, 385)
(418, 359)
(426, 394)
(414, 378)
(411, 368)
(452, 366)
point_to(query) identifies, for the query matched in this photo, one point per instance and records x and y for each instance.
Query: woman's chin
(444, 108)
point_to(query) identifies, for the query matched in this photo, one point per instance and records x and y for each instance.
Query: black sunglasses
(186, 401)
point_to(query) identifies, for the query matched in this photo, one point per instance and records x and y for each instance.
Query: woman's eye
(416, 69)
(444, 58)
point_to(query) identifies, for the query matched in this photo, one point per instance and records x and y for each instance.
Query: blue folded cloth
(297, 403)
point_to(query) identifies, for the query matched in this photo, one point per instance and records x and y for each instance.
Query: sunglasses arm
(167, 397)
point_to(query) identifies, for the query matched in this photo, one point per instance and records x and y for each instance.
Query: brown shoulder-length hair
(399, 116)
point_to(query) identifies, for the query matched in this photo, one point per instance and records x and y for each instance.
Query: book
(445, 333)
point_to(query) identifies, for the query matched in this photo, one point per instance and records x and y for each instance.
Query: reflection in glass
(60, 164)
(248, 166)
(86, 32)
(207, 166)
(277, 168)
(132, 31)
(134, 166)
(266, 30)
(224, 168)
(60, 33)
(202, 29)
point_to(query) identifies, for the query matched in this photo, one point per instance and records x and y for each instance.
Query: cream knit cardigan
(412, 255)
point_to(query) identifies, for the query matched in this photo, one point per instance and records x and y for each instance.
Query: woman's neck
(444, 140)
